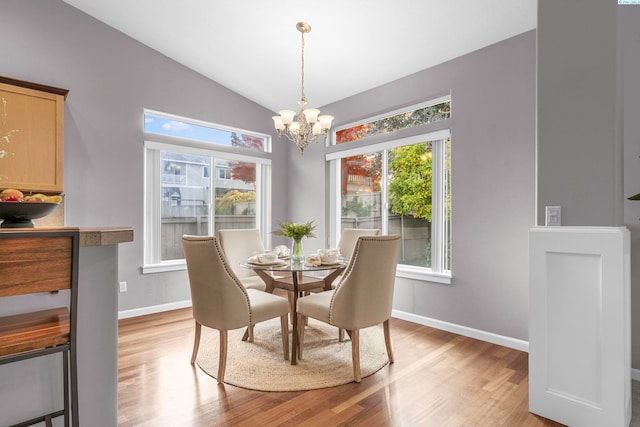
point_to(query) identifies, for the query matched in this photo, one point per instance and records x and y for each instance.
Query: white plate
(325, 264)
(276, 262)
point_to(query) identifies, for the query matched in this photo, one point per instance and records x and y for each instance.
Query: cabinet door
(31, 139)
(580, 325)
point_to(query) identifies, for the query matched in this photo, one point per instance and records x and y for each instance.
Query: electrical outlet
(123, 286)
(553, 216)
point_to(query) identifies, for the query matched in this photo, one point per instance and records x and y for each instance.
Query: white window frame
(431, 102)
(437, 273)
(153, 145)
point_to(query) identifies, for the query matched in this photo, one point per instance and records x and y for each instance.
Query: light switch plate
(553, 216)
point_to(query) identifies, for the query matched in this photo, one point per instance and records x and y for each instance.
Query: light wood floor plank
(438, 379)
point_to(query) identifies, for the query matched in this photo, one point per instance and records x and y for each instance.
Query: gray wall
(588, 127)
(629, 25)
(111, 78)
(493, 182)
(579, 125)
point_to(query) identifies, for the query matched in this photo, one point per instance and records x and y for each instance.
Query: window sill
(424, 275)
(165, 266)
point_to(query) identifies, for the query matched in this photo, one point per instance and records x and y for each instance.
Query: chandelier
(306, 127)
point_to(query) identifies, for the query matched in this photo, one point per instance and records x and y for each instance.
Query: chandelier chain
(302, 96)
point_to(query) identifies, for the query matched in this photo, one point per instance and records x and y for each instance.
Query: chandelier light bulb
(311, 115)
(277, 122)
(325, 122)
(287, 116)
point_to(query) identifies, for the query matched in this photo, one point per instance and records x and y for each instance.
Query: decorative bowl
(20, 214)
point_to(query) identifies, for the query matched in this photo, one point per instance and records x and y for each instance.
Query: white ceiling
(253, 48)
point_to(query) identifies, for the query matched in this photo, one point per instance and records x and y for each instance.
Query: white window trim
(407, 272)
(387, 145)
(404, 271)
(267, 139)
(436, 101)
(153, 198)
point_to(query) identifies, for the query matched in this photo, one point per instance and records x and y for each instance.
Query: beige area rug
(261, 366)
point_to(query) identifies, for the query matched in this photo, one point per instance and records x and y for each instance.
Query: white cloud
(174, 126)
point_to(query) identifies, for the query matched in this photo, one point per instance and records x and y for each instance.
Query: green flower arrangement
(296, 231)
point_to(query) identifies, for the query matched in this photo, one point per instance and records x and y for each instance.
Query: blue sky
(165, 126)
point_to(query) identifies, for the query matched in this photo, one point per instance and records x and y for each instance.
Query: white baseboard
(478, 334)
(125, 314)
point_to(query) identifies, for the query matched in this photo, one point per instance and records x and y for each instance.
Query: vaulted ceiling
(253, 48)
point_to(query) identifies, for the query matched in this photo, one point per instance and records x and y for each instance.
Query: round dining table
(296, 278)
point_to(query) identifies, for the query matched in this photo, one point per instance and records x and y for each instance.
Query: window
(434, 111)
(223, 172)
(182, 197)
(401, 186)
(195, 130)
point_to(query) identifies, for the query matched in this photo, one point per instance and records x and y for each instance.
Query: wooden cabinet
(31, 136)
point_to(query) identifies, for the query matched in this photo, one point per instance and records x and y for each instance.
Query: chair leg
(65, 373)
(196, 342)
(341, 334)
(355, 354)
(248, 334)
(284, 326)
(291, 310)
(387, 340)
(73, 385)
(300, 332)
(222, 363)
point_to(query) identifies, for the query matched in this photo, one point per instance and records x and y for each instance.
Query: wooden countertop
(104, 236)
(89, 236)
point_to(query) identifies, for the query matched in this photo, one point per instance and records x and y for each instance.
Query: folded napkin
(313, 260)
(333, 252)
(256, 260)
(282, 251)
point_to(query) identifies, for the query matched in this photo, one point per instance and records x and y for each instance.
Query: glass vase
(297, 253)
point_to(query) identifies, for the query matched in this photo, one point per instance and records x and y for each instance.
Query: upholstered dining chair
(238, 245)
(220, 301)
(363, 298)
(349, 237)
(347, 243)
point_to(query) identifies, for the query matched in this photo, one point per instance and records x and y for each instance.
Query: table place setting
(324, 257)
(268, 257)
(282, 251)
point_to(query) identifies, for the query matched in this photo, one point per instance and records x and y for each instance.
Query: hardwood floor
(438, 379)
